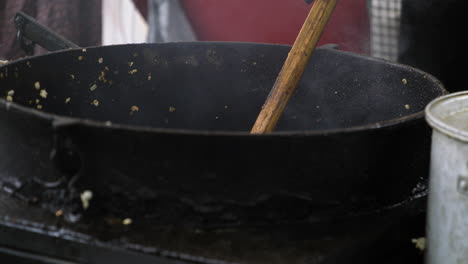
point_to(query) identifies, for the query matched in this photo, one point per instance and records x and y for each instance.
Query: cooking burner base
(29, 234)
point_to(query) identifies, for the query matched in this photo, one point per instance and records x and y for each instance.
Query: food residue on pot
(404, 81)
(100, 60)
(172, 109)
(149, 77)
(419, 243)
(131, 72)
(80, 58)
(59, 213)
(84, 50)
(127, 221)
(67, 100)
(407, 106)
(93, 87)
(130, 64)
(86, 197)
(43, 93)
(39, 107)
(37, 85)
(95, 102)
(134, 108)
(72, 76)
(102, 77)
(10, 95)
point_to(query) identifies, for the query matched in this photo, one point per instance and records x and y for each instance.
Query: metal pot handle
(29, 29)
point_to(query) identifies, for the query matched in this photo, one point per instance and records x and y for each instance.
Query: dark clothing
(76, 20)
(431, 38)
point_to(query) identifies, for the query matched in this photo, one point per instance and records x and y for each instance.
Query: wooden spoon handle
(294, 67)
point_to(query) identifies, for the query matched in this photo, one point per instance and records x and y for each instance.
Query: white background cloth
(122, 23)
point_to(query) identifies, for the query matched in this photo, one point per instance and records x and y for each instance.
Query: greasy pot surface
(352, 138)
(214, 86)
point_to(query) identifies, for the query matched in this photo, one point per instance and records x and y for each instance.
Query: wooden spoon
(294, 67)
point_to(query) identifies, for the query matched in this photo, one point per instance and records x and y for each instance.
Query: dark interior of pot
(213, 86)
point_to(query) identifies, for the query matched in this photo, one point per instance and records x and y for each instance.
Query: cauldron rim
(61, 120)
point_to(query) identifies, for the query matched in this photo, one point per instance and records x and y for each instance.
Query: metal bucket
(447, 228)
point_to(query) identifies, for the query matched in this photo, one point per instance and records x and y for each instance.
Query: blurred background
(421, 33)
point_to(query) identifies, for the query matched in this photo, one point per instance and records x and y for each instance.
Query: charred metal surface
(100, 239)
(158, 135)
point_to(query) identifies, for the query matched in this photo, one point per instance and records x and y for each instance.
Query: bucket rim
(435, 120)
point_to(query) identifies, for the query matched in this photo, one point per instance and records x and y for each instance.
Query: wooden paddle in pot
(294, 67)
